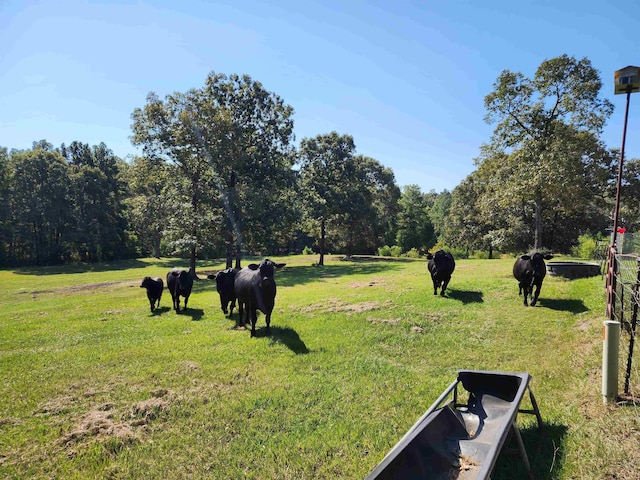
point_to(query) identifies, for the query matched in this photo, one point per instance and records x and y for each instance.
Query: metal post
(624, 138)
(610, 348)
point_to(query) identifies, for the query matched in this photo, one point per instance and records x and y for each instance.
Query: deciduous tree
(546, 136)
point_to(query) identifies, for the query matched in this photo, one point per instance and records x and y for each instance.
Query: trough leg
(523, 452)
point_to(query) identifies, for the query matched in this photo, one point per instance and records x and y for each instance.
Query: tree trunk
(322, 235)
(490, 252)
(229, 257)
(238, 256)
(194, 233)
(538, 225)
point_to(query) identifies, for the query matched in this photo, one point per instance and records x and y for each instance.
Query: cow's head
(221, 278)
(537, 262)
(267, 269)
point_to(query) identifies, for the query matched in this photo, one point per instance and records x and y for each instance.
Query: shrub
(384, 251)
(413, 253)
(586, 246)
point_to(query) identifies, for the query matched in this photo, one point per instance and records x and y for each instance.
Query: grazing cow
(530, 270)
(255, 289)
(179, 283)
(441, 265)
(224, 285)
(154, 288)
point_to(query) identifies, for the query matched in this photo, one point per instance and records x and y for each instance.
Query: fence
(623, 302)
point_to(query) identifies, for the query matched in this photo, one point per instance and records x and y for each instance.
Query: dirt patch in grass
(384, 321)
(80, 288)
(99, 422)
(104, 424)
(333, 305)
(56, 406)
(372, 283)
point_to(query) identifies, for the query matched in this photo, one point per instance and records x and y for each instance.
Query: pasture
(94, 385)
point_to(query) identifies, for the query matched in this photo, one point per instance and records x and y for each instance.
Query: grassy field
(93, 385)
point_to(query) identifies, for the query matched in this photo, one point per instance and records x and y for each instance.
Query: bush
(384, 251)
(396, 251)
(413, 253)
(586, 247)
(307, 251)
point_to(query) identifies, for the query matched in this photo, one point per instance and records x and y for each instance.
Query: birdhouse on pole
(627, 80)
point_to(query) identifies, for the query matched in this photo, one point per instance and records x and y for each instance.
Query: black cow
(179, 283)
(154, 288)
(530, 271)
(255, 289)
(441, 265)
(224, 285)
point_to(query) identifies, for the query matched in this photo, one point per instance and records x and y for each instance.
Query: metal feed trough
(462, 440)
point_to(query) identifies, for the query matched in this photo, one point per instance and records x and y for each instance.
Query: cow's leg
(525, 291)
(231, 307)
(534, 300)
(240, 321)
(176, 302)
(435, 286)
(254, 319)
(223, 304)
(186, 299)
(445, 282)
(268, 321)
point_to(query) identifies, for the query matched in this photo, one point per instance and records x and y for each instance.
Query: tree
(6, 219)
(385, 195)
(234, 139)
(348, 198)
(547, 132)
(415, 229)
(39, 205)
(439, 211)
(148, 180)
(97, 195)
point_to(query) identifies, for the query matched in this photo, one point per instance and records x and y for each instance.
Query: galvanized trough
(573, 269)
(462, 440)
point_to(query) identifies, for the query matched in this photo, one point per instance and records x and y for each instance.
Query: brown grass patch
(99, 423)
(102, 422)
(333, 305)
(80, 288)
(372, 283)
(384, 321)
(56, 406)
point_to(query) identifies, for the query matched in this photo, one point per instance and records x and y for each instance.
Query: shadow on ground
(545, 451)
(564, 305)
(465, 296)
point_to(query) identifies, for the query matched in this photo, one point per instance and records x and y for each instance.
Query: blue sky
(407, 79)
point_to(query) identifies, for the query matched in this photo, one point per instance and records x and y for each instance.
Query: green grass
(93, 385)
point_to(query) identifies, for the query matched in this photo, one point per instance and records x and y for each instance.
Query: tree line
(221, 176)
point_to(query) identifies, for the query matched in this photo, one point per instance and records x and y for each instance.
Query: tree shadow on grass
(465, 296)
(301, 274)
(545, 451)
(565, 305)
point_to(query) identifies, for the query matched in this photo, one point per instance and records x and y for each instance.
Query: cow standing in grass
(154, 288)
(225, 281)
(179, 283)
(530, 271)
(255, 289)
(441, 265)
